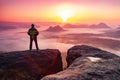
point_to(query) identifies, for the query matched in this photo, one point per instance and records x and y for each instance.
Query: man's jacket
(33, 32)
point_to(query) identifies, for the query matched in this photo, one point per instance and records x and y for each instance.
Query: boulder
(29, 65)
(87, 51)
(89, 63)
(86, 69)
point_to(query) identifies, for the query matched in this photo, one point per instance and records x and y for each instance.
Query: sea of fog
(18, 40)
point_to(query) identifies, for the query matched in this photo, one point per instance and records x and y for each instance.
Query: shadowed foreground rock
(29, 65)
(89, 63)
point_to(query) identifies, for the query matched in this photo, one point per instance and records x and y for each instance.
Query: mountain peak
(103, 25)
(56, 28)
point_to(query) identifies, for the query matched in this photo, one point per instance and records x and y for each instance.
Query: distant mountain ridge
(56, 28)
(100, 25)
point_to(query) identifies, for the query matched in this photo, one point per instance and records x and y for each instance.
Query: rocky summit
(87, 51)
(29, 65)
(89, 63)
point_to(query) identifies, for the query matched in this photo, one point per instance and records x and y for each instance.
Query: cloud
(89, 39)
(2, 28)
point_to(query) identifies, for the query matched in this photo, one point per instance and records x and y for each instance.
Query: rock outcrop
(89, 63)
(29, 65)
(87, 51)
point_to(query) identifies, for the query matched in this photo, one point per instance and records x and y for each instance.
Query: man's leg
(31, 40)
(36, 43)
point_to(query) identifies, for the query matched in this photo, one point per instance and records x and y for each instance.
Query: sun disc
(65, 14)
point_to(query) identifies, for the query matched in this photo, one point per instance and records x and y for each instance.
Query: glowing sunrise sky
(74, 11)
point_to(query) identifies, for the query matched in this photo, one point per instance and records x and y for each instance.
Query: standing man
(33, 33)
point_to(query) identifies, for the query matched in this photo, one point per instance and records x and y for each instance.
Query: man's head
(32, 25)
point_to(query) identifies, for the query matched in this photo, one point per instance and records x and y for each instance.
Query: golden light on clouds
(71, 11)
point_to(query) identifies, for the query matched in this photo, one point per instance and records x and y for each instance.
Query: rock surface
(89, 63)
(87, 51)
(85, 69)
(29, 65)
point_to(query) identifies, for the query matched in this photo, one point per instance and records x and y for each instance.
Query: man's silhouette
(32, 32)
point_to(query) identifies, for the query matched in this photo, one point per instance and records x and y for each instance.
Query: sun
(65, 14)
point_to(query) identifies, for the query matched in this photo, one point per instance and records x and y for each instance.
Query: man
(33, 33)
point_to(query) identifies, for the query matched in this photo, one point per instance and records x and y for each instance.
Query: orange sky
(73, 11)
